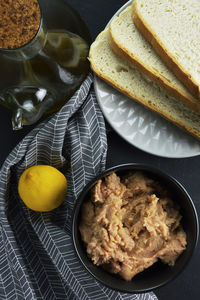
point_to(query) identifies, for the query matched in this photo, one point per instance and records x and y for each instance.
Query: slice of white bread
(173, 29)
(123, 76)
(128, 42)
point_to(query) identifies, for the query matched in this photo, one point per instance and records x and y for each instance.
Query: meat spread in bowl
(131, 222)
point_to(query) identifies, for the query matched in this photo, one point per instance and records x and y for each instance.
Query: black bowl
(159, 274)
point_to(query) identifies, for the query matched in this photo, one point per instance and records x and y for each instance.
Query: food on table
(128, 41)
(129, 223)
(122, 56)
(172, 27)
(122, 75)
(42, 188)
(20, 21)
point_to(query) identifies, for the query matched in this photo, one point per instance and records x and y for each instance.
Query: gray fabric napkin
(37, 257)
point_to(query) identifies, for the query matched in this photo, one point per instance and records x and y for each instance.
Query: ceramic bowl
(159, 274)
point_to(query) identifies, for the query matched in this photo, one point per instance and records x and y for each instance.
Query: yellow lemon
(42, 187)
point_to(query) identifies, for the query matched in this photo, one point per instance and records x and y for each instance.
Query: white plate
(140, 126)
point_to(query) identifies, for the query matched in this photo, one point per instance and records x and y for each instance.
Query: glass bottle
(41, 76)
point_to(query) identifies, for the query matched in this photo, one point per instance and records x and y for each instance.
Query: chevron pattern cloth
(37, 257)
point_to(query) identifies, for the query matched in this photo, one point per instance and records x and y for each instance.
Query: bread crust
(171, 62)
(119, 49)
(181, 125)
(97, 69)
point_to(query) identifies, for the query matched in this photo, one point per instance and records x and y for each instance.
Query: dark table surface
(96, 14)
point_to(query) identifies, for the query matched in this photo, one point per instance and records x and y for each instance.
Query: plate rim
(96, 78)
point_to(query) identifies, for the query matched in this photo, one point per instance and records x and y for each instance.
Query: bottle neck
(30, 49)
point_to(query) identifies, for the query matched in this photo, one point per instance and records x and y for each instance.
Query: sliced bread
(123, 76)
(128, 42)
(173, 29)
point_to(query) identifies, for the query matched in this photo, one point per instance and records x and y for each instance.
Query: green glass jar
(41, 76)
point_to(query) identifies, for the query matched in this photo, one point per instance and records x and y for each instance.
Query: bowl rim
(145, 168)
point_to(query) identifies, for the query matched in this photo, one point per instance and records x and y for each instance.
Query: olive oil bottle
(39, 77)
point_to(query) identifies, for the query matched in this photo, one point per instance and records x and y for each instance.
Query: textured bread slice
(173, 29)
(123, 76)
(128, 42)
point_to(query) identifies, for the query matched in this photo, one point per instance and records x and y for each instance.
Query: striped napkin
(37, 257)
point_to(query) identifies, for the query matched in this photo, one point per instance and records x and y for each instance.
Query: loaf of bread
(173, 29)
(128, 42)
(127, 79)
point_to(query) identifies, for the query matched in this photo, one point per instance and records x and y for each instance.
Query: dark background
(96, 14)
